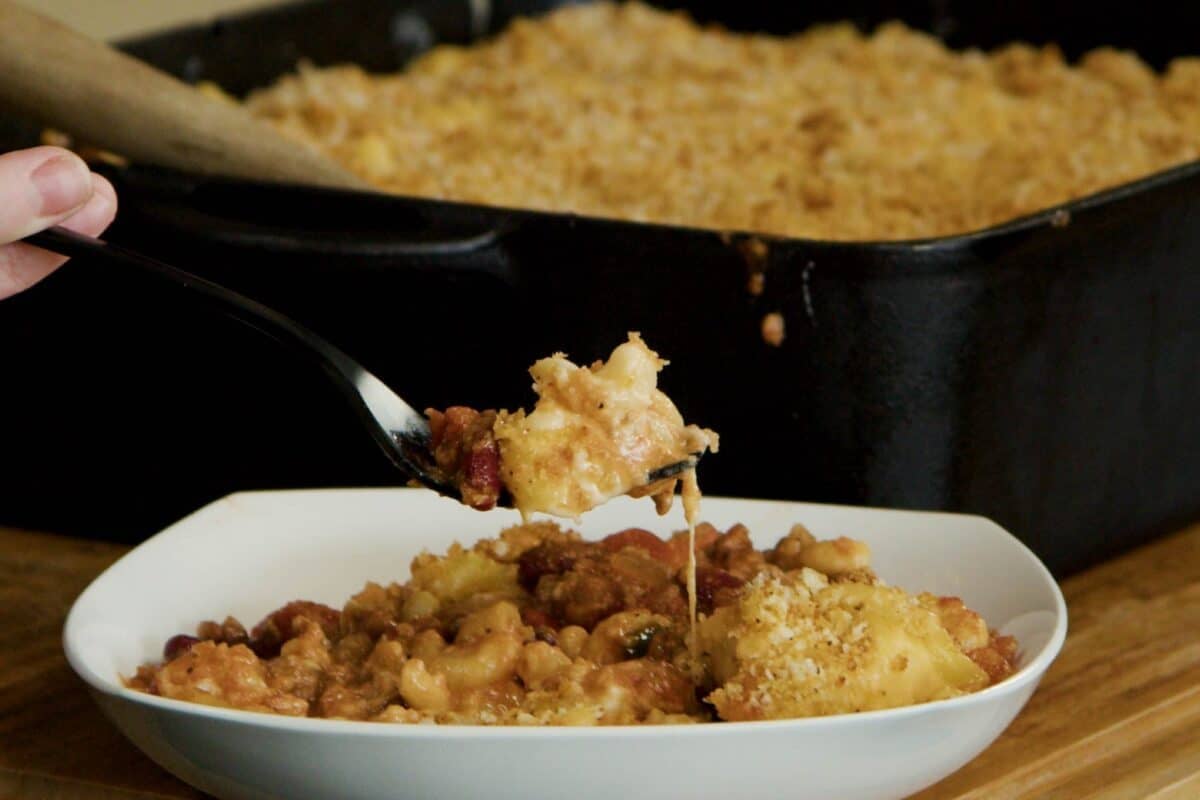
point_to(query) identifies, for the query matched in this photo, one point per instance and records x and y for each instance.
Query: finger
(99, 211)
(40, 187)
(23, 265)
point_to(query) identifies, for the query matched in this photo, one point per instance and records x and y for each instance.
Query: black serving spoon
(397, 427)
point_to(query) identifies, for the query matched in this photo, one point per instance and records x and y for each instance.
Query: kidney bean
(481, 484)
(177, 645)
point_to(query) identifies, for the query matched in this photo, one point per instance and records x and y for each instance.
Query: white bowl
(249, 553)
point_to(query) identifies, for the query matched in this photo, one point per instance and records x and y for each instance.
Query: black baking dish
(1042, 373)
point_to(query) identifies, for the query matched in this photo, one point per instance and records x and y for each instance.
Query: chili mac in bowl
(248, 553)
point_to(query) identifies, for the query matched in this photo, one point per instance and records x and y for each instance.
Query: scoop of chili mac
(596, 432)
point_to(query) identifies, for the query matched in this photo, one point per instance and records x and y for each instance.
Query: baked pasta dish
(595, 433)
(629, 112)
(539, 627)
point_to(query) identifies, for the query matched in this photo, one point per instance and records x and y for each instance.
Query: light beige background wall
(109, 19)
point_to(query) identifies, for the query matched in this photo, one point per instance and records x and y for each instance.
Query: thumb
(40, 187)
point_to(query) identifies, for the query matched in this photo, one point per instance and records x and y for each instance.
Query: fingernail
(64, 182)
(102, 188)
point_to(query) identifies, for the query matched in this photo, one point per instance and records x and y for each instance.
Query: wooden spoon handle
(83, 87)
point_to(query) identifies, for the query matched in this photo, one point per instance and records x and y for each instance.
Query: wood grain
(117, 19)
(54, 742)
(105, 98)
(1117, 716)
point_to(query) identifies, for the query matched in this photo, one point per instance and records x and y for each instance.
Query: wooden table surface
(1117, 716)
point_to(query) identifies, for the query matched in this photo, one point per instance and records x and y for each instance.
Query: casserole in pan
(1041, 372)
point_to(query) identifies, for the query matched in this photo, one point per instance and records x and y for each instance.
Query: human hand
(40, 187)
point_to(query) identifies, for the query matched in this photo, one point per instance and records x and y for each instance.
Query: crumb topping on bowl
(800, 646)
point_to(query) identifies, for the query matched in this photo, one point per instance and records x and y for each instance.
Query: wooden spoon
(73, 83)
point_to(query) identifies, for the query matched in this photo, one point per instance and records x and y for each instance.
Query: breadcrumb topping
(630, 112)
(801, 645)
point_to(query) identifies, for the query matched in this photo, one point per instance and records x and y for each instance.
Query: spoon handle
(397, 427)
(258, 316)
(266, 320)
(83, 87)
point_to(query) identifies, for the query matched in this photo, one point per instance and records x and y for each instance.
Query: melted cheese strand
(691, 512)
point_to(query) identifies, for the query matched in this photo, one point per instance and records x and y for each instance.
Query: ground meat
(467, 454)
(230, 632)
(581, 583)
(734, 553)
(715, 588)
(280, 626)
(549, 558)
